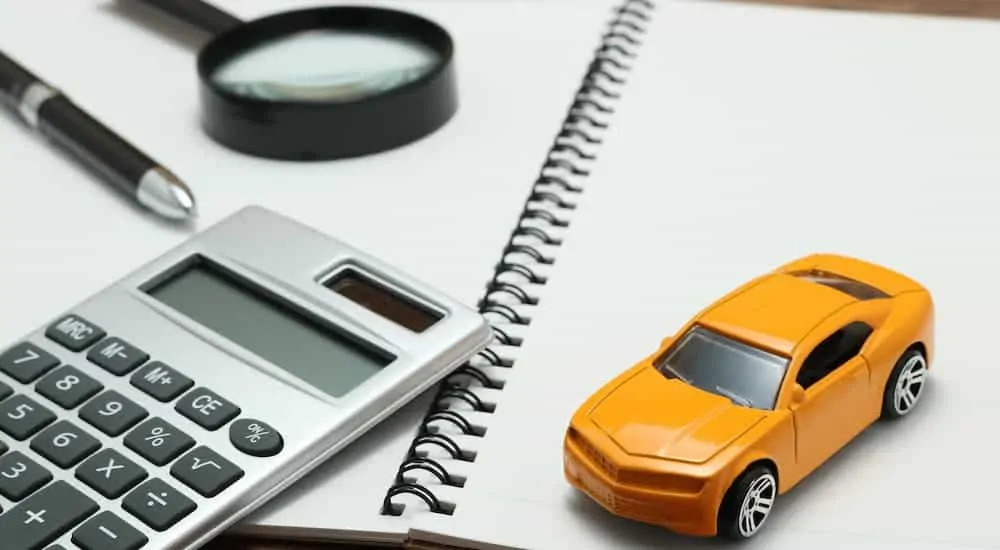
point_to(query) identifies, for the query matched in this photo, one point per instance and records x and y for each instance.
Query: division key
(44, 516)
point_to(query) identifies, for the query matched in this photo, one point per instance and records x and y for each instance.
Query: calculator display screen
(253, 318)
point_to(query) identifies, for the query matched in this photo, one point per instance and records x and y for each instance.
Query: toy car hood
(652, 416)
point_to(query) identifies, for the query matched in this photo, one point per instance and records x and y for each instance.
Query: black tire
(754, 479)
(894, 405)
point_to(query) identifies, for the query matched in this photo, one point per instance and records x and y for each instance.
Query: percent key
(255, 438)
(158, 441)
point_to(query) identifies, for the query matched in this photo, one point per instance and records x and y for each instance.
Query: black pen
(56, 117)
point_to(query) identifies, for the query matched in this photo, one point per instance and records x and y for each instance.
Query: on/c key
(44, 516)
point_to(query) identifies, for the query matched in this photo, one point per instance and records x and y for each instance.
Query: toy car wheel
(748, 504)
(905, 385)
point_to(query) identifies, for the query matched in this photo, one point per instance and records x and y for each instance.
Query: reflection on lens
(326, 66)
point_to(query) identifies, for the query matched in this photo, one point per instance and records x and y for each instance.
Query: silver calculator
(159, 411)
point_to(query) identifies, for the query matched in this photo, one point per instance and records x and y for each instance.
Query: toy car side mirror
(798, 396)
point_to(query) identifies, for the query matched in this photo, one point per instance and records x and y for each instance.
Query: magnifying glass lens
(326, 66)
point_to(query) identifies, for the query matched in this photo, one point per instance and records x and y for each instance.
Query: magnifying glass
(320, 83)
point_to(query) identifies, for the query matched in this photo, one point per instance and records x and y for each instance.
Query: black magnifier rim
(315, 130)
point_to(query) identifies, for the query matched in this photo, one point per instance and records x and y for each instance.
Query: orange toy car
(753, 394)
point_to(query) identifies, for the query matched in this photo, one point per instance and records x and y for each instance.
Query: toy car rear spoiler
(887, 280)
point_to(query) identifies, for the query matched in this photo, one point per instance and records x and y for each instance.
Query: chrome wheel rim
(757, 504)
(910, 384)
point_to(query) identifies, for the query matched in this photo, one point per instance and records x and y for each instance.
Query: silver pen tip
(165, 194)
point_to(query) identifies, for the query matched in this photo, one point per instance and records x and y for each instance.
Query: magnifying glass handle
(200, 14)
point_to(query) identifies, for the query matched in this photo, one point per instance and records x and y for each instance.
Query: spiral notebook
(748, 136)
(731, 138)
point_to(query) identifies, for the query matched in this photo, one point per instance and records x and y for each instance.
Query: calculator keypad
(68, 387)
(46, 509)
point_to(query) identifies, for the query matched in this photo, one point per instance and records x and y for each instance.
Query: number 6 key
(64, 444)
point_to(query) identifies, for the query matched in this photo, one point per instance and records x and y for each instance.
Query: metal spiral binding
(511, 293)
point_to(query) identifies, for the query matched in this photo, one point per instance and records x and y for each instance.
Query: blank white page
(749, 136)
(441, 208)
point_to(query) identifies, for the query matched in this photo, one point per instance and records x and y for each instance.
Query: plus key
(44, 516)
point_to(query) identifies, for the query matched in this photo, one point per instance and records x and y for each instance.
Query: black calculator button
(75, 332)
(64, 444)
(25, 362)
(117, 356)
(44, 517)
(112, 413)
(161, 381)
(158, 441)
(20, 476)
(110, 473)
(207, 409)
(55, 547)
(68, 387)
(255, 438)
(206, 471)
(21, 417)
(3, 448)
(106, 531)
(157, 504)
(5, 391)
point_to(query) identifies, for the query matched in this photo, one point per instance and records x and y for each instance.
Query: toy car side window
(834, 351)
